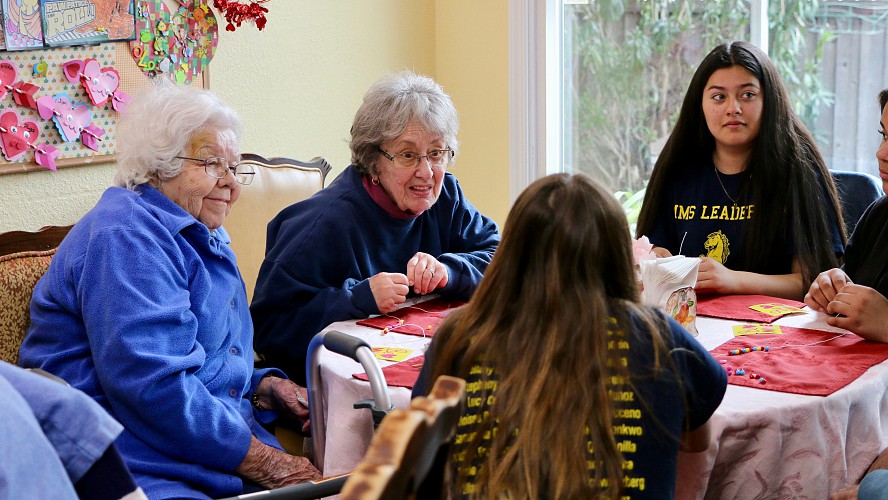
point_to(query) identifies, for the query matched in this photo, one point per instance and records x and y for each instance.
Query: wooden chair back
(407, 444)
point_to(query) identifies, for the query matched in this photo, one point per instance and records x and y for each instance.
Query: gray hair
(393, 102)
(157, 127)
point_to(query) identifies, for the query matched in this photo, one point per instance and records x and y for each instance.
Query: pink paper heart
(8, 75)
(45, 155)
(17, 137)
(45, 106)
(70, 118)
(72, 70)
(119, 101)
(91, 136)
(100, 82)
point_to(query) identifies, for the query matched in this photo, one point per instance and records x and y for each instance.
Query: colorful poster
(2, 38)
(177, 44)
(82, 22)
(22, 27)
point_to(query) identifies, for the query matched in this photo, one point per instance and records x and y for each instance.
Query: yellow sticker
(756, 329)
(391, 353)
(776, 309)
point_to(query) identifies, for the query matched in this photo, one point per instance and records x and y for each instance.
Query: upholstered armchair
(24, 257)
(277, 184)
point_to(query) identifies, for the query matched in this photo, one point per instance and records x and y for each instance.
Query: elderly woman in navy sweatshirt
(394, 222)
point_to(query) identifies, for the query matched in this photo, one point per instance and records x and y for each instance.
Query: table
(771, 444)
(348, 430)
(767, 444)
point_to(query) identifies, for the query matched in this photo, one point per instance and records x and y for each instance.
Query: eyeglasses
(437, 158)
(217, 168)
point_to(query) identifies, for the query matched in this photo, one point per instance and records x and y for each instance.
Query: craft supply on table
(421, 319)
(800, 360)
(403, 374)
(669, 285)
(760, 308)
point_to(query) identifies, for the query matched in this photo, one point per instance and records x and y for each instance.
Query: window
(597, 84)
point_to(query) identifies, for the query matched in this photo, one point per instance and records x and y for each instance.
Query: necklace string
(718, 177)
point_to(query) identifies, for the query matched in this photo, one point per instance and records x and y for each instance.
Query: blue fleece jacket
(144, 310)
(322, 252)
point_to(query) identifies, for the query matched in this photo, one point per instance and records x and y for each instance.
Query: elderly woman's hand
(389, 290)
(284, 395)
(425, 273)
(273, 468)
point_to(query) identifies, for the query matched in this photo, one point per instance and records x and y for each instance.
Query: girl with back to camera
(741, 183)
(575, 389)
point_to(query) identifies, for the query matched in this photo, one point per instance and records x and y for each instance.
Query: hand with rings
(425, 274)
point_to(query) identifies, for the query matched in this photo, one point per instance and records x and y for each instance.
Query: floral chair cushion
(19, 273)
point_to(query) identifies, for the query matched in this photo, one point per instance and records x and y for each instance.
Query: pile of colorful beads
(734, 352)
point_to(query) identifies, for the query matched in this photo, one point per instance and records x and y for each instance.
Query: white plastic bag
(669, 285)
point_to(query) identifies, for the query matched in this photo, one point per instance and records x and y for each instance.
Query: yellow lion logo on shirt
(716, 246)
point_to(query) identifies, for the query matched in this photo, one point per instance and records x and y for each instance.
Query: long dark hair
(785, 169)
(564, 268)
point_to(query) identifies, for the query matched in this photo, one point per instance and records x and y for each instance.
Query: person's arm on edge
(713, 277)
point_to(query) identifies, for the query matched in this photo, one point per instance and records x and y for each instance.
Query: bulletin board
(118, 55)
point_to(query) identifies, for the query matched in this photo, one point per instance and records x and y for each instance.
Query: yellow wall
(472, 64)
(298, 83)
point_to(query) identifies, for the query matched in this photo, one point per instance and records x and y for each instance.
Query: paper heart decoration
(69, 117)
(119, 101)
(101, 84)
(16, 138)
(91, 136)
(22, 92)
(8, 76)
(45, 155)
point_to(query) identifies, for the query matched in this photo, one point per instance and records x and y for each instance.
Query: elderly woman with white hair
(394, 222)
(144, 310)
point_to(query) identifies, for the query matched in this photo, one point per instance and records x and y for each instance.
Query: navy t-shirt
(865, 261)
(699, 218)
(647, 422)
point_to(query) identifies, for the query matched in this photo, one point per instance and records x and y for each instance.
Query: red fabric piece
(417, 318)
(737, 307)
(403, 374)
(817, 370)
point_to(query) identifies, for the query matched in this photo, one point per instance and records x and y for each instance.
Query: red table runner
(737, 307)
(817, 370)
(403, 374)
(422, 319)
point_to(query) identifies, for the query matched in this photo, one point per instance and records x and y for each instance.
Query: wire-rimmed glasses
(218, 167)
(437, 158)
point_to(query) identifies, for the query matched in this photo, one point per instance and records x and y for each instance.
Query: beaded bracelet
(255, 399)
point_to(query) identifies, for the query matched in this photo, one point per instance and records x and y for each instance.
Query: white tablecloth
(767, 444)
(779, 445)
